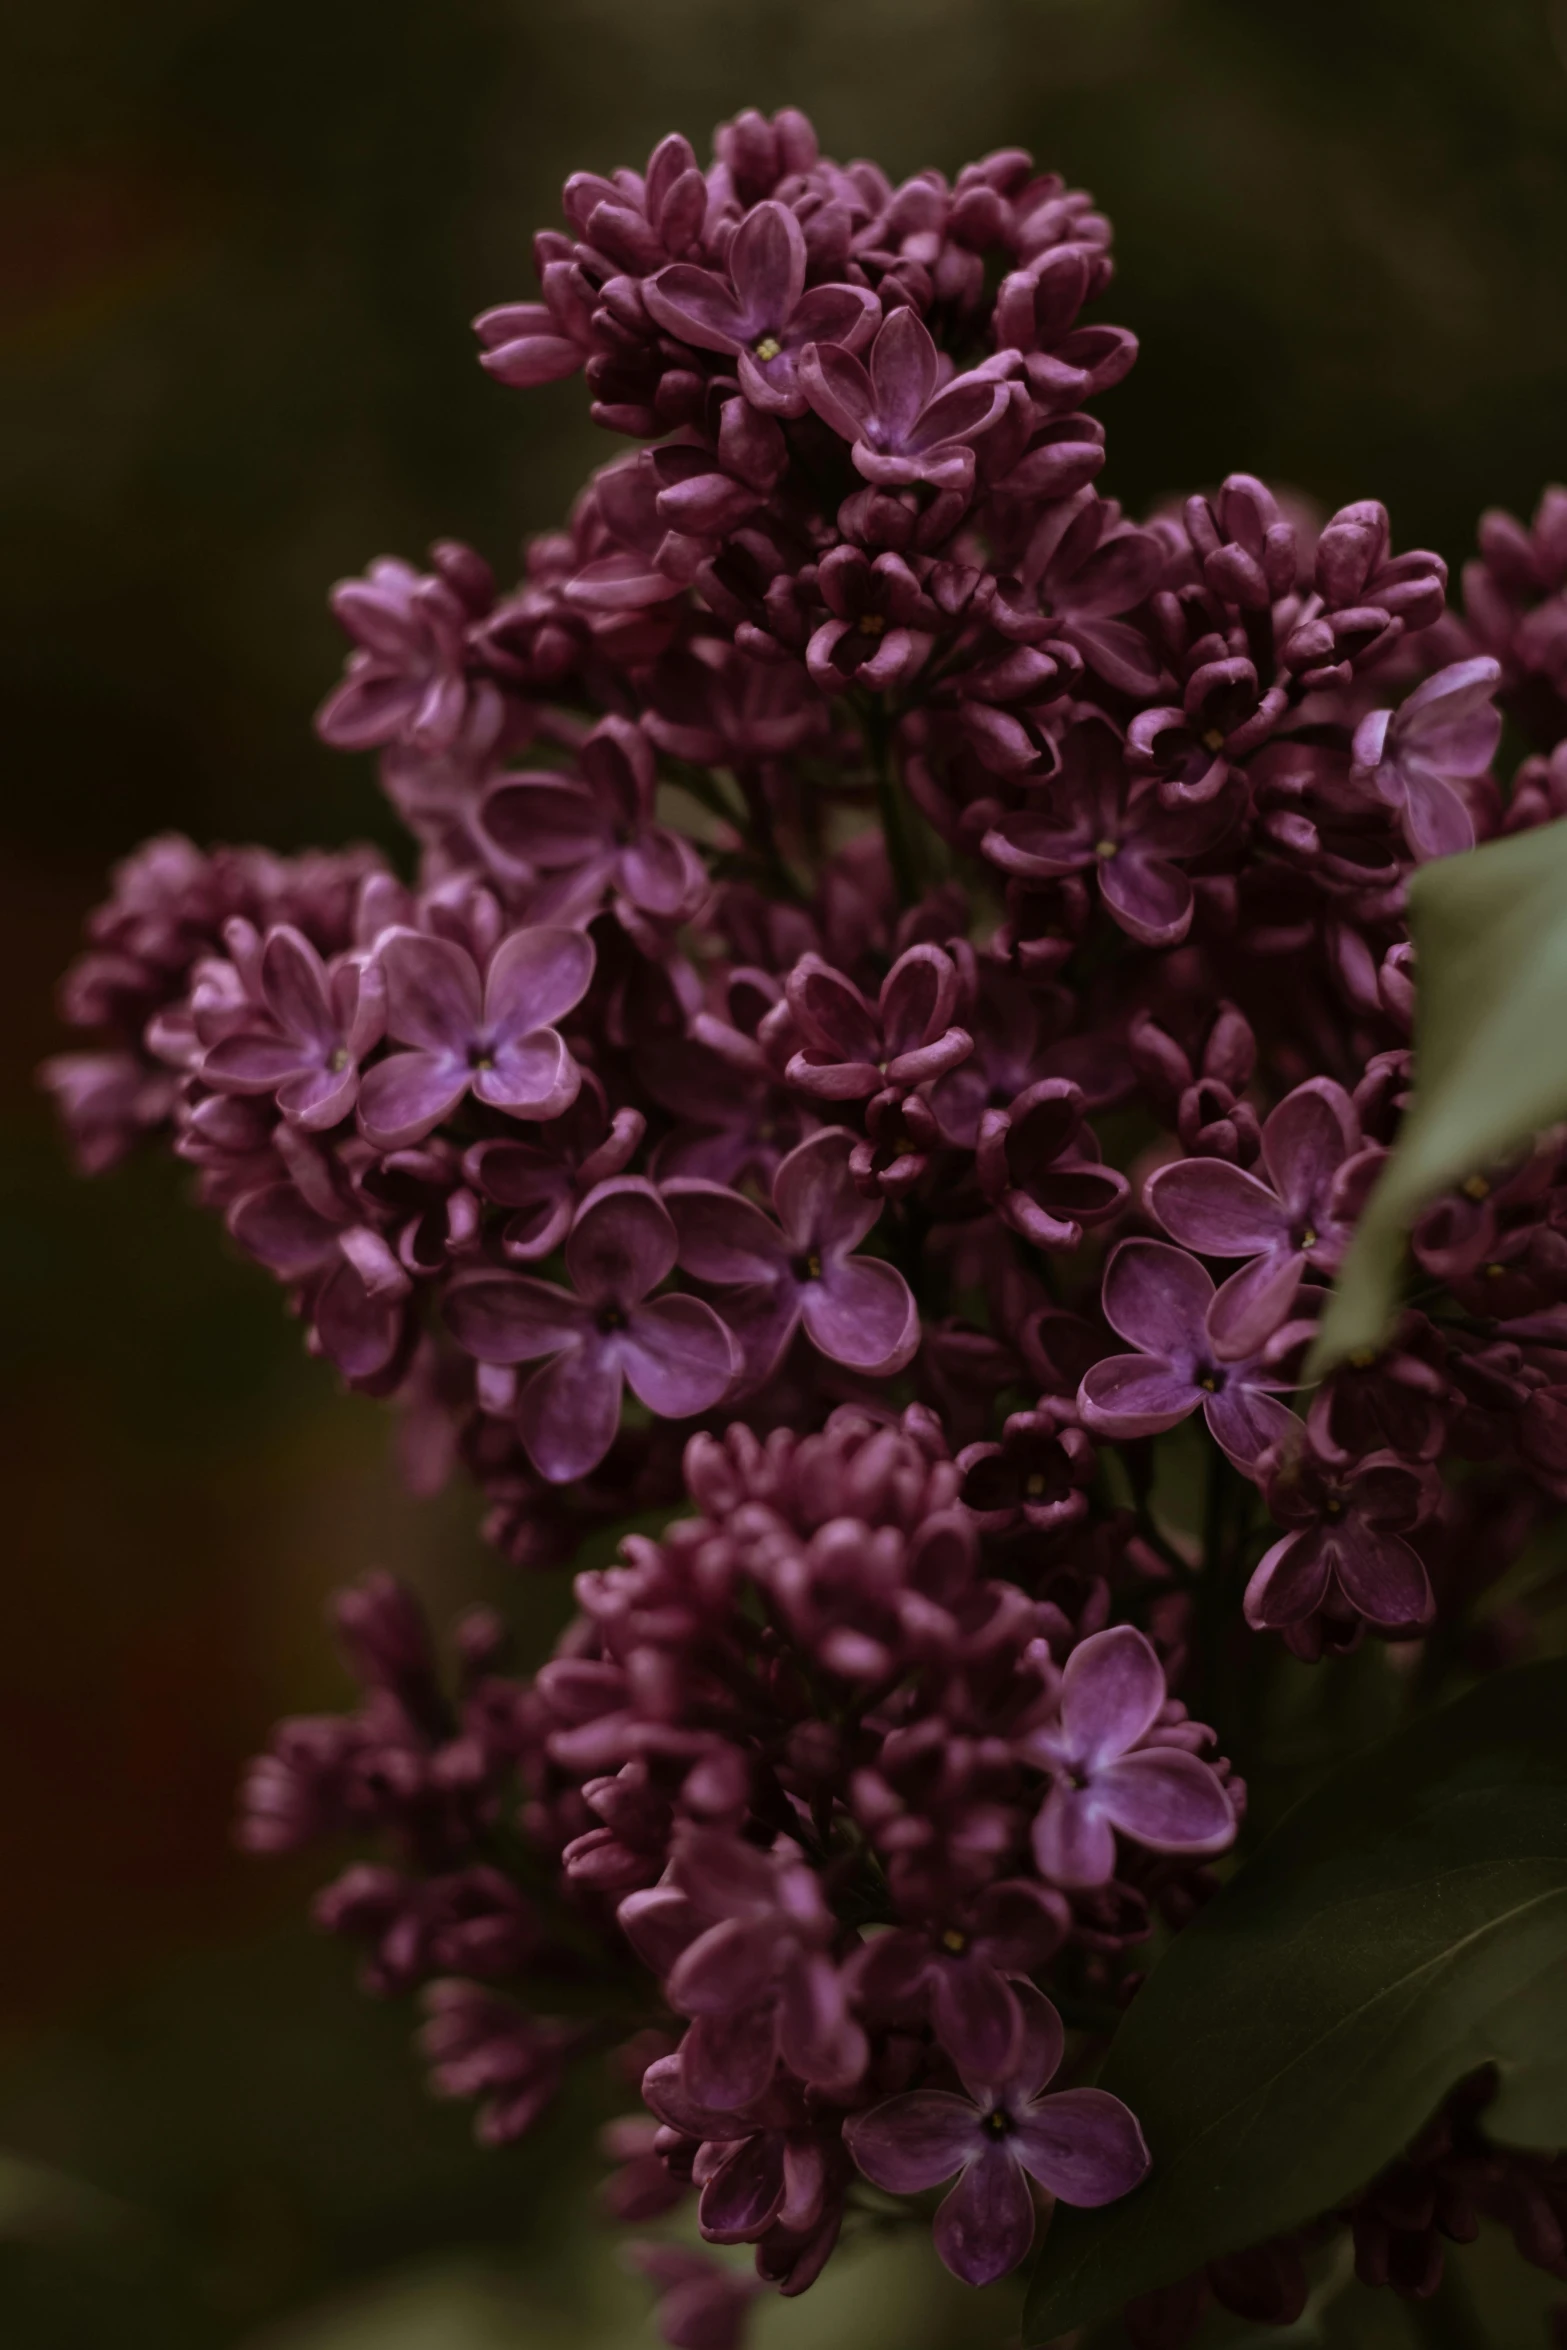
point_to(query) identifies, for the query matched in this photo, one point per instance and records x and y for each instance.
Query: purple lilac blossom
(861, 875)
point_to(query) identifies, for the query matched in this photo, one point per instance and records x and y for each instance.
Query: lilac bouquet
(902, 998)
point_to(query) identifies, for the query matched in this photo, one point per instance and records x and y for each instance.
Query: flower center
(1034, 1485)
(1213, 740)
(1476, 1188)
(1493, 1272)
(339, 1060)
(766, 347)
(609, 1318)
(480, 1057)
(1105, 848)
(997, 2124)
(1308, 1238)
(872, 624)
(955, 1941)
(1211, 1382)
(808, 1267)
(1362, 1357)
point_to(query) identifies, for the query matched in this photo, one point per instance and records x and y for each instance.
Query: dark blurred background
(240, 243)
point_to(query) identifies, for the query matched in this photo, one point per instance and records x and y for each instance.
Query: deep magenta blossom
(801, 1269)
(904, 423)
(1297, 1220)
(1161, 1299)
(1098, 820)
(1415, 758)
(759, 311)
(606, 1330)
(411, 678)
(754, 1968)
(853, 1049)
(1111, 1771)
(322, 1024)
(598, 835)
(1038, 1163)
(1345, 1555)
(964, 1970)
(882, 623)
(1081, 2145)
(494, 1038)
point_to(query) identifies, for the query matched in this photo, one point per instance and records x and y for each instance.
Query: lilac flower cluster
(904, 994)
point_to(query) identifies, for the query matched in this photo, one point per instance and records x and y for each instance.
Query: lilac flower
(851, 1050)
(1346, 1553)
(1099, 821)
(761, 314)
(674, 1352)
(528, 343)
(1036, 1477)
(1415, 758)
(905, 425)
(965, 1970)
(595, 836)
(1297, 1221)
(1111, 1771)
(1081, 2145)
(494, 1039)
(1036, 1162)
(410, 679)
(1160, 1298)
(355, 1286)
(542, 1182)
(323, 1024)
(802, 1268)
(772, 2170)
(754, 1971)
(1036, 313)
(881, 627)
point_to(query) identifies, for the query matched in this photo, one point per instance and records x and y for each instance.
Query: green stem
(889, 804)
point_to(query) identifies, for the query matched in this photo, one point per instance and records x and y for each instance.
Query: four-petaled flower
(802, 1269)
(1099, 821)
(494, 1038)
(881, 627)
(1415, 757)
(904, 423)
(963, 1968)
(1160, 1299)
(853, 1050)
(673, 1352)
(595, 836)
(1081, 2145)
(1345, 1554)
(1115, 1768)
(1298, 1221)
(323, 1022)
(1037, 1163)
(762, 316)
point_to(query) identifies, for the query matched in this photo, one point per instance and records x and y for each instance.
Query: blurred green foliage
(242, 242)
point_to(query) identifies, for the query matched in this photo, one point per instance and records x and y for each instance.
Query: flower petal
(1111, 1690)
(433, 996)
(727, 2060)
(976, 2017)
(915, 2141)
(407, 1094)
(678, 1357)
(743, 2197)
(1157, 1297)
(535, 978)
(1073, 1842)
(1216, 1209)
(1135, 1395)
(1083, 2145)
(724, 1237)
(1245, 1421)
(1288, 1584)
(1382, 1576)
(511, 1318)
(862, 1313)
(622, 1243)
(815, 1197)
(569, 1411)
(1168, 1800)
(986, 2225)
(294, 983)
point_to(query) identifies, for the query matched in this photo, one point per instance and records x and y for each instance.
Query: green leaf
(1490, 931)
(1405, 1924)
